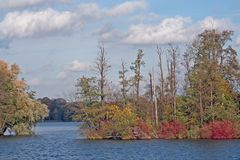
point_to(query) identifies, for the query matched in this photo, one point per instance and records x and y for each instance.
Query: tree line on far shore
(59, 109)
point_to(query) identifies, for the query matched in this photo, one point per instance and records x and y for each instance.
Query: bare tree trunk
(155, 101)
(137, 71)
(221, 58)
(102, 68)
(186, 63)
(151, 86)
(168, 84)
(171, 87)
(200, 103)
(212, 108)
(173, 84)
(124, 82)
(151, 95)
(213, 48)
(159, 52)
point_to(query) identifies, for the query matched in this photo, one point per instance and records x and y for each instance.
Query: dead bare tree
(160, 52)
(172, 51)
(155, 99)
(102, 68)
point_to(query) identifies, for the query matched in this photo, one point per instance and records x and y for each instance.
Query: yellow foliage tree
(18, 110)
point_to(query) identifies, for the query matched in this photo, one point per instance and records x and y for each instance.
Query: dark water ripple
(62, 141)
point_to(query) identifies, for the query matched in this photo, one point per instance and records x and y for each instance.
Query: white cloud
(126, 7)
(74, 66)
(146, 17)
(92, 10)
(211, 23)
(30, 24)
(108, 34)
(77, 66)
(174, 30)
(24, 24)
(14, 4)
(34, 82)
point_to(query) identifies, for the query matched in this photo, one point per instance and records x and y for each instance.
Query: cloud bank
(18, 4)
(31, 24)
(168, 30)
(48, 22)
(173, 30)
(24, 24)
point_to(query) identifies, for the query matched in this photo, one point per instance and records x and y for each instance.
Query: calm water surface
(62, 141)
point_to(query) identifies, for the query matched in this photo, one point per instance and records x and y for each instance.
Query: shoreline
(140, 139)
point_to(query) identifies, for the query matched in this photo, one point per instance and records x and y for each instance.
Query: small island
(206, 104)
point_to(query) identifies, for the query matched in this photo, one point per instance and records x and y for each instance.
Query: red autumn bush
(205, 132)
(143, 126)
(103, 130)
(236, 127)
(218, 130)
(142, 130)
(172, 130)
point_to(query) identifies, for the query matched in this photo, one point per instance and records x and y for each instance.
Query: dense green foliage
(18, 109)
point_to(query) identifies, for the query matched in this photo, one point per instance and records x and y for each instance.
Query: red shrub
(143, 126)
(205, 132)
(236, 127)
(218, 130)
(172, 130)
(104, 127)
(142, 130)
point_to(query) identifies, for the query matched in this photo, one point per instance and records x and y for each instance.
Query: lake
(62, 141)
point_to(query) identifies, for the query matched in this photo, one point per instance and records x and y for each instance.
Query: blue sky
(55, 41)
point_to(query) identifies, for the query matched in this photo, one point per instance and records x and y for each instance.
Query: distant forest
(59, 109)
